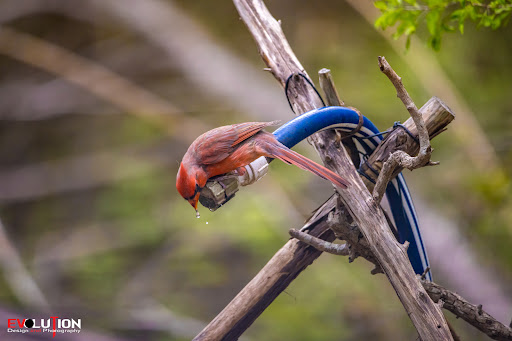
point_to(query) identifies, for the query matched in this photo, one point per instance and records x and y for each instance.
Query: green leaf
(471, 11)
(388, 19)
(500, 20)
(382, 5)
(441, 16)
(485, 21)
(435, 42)
(447, 27)
(458, 14)
(410, 30)
(433, 19)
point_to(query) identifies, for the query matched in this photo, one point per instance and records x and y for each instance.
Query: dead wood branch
(320, 244)
(485, 285)
(400, 158)
(295, 256)
(358, 246)
(436, 116)
(342, 224)
(327, 84)
(277, 54)
(273, 279)
(333, 99)
(471, 313)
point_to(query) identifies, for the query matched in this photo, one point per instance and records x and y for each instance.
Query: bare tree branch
(277, 54)
(471, 313)
(399, 158)
(320, 244)
(447, 243)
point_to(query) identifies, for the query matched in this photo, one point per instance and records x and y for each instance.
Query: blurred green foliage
(440, 16)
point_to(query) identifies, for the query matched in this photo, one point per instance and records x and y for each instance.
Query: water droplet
(198, 215)
(206, 223)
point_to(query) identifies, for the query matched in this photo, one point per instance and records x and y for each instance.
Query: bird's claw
(240, 171)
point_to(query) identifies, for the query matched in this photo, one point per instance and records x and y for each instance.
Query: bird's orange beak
(194, 201)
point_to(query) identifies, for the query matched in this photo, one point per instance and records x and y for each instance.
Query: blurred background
(99, 100)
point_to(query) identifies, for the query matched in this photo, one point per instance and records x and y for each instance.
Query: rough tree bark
(295, 256)
(277, 54)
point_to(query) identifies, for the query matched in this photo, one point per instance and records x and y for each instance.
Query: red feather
(225, 149)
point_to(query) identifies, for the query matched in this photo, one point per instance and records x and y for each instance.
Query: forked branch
(400, 158)
(230, 323)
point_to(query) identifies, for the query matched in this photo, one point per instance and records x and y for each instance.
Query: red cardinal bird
(225, 149)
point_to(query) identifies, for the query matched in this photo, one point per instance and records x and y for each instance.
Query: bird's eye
(196, 190)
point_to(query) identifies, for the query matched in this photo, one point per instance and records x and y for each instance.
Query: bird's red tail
(289, 156)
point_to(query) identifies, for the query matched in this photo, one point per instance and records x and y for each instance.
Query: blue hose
(366, 140)
(316, 120)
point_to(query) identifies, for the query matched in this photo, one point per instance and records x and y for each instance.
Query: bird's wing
(248, 129)
(217, 144)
